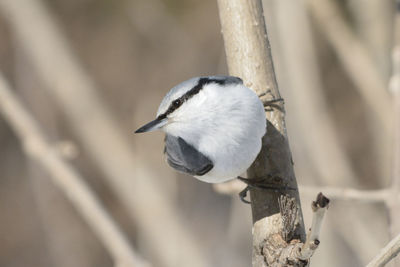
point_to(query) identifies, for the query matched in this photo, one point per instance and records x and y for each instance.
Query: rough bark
(276, 214)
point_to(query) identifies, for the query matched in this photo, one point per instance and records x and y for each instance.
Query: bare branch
(278, 252)
(386, 254)
(319, 207)
(66, 178)
(249, 57)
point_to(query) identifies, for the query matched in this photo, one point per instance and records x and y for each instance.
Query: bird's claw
(243, 194)
(269, 105)
(260, 184)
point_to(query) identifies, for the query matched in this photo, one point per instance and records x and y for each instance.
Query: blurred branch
(334, 193)
(155, 23)
(372, 20)
(354, 57)
(249, 57)
(64, 230)
(299, 77)
(293, 45)
(66, 178)
(349, 194)
(229, 188)
(152, 20)
(386, 254)
(134, 183)
(394, 88)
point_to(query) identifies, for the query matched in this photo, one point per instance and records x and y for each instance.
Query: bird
(213, 127)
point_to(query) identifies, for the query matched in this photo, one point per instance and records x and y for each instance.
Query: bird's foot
(259, 183)
(269, 105)
(243, 195)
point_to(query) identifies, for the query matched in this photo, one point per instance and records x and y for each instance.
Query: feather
(185, 158)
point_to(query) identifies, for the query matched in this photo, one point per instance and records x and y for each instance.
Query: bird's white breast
(226, 124)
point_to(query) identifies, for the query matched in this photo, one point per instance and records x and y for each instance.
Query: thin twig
(386, 254)
(66, 178)
(319, 207)
(277, 252)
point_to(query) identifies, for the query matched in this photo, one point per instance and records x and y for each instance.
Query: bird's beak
(152, 126)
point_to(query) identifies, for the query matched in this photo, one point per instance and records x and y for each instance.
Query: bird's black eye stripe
(176, 103)
(195, 90)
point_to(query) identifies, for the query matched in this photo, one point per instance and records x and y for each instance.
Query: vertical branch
(394, 87)
(303, 85)
(355, 59)
(373, 21)
(249, 57)
(299, 78)
(319, 207)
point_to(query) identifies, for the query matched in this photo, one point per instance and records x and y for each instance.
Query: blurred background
(92, 71)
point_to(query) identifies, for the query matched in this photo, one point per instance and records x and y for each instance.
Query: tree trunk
(277, 216)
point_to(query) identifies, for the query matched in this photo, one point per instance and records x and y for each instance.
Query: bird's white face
(192, 113)
(203, 113)
(190, 107)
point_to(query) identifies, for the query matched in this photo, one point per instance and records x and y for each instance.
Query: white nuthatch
(213, 127)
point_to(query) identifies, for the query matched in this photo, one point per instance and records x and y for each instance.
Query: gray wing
(185, 158)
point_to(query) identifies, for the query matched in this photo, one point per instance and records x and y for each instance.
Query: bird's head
(187, 106)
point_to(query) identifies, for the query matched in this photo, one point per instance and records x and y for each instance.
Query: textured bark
(276, 214)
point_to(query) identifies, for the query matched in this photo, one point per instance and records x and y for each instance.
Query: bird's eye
(176, 103)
